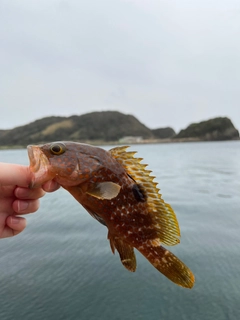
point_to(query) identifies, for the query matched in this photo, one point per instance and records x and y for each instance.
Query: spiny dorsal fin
(162, 214)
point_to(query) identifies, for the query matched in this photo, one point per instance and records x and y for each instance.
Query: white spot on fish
(155, 242)
(77, 168)
(156, 263)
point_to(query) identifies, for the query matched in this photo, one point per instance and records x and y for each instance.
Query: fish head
(68, 163)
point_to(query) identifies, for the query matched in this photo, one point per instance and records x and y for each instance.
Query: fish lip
(39, 166)
(32, 157)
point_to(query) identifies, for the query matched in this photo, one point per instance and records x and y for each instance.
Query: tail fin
(169, 265)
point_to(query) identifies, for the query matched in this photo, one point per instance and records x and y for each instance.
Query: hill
(96, 126)
(211, 130)
(111, 126)
(164, 133)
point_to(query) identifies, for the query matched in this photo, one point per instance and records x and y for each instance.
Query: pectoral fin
(126, 252)
(104, 190)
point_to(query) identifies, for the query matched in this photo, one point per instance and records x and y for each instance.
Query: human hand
(17, 199)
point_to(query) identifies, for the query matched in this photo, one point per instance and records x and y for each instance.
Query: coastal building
(131, 139)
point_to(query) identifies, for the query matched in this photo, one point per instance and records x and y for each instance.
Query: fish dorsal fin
(162, 214)
(104, 190)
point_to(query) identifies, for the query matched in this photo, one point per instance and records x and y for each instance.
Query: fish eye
(57, 148)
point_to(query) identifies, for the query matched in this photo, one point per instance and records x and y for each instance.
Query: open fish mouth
(39, 165)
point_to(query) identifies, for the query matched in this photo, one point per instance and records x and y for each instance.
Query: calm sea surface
(61, 266)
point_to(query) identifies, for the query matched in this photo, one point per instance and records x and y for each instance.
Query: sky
(167, 62)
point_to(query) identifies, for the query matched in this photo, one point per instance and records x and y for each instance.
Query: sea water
(61, 266)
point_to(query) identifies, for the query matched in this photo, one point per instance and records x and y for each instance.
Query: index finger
(14, 174)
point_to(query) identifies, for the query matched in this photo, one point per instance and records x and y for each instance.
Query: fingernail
(15, 220)
(22, 205)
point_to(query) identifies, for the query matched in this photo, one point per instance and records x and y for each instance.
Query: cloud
(166, 62)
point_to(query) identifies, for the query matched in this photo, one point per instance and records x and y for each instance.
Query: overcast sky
(169, 63)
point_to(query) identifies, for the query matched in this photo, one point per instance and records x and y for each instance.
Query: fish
(119, 191)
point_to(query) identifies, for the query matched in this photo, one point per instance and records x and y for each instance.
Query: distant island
(112, 127)
(211, 130)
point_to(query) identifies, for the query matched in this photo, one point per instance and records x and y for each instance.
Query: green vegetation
(110, 126)
(164, 133)
(213, 129)
(96, 126)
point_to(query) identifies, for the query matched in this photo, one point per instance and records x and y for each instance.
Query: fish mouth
(39, 166)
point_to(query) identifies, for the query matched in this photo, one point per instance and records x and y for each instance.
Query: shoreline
(146, 141)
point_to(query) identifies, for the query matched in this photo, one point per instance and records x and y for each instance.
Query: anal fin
(126, 252)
